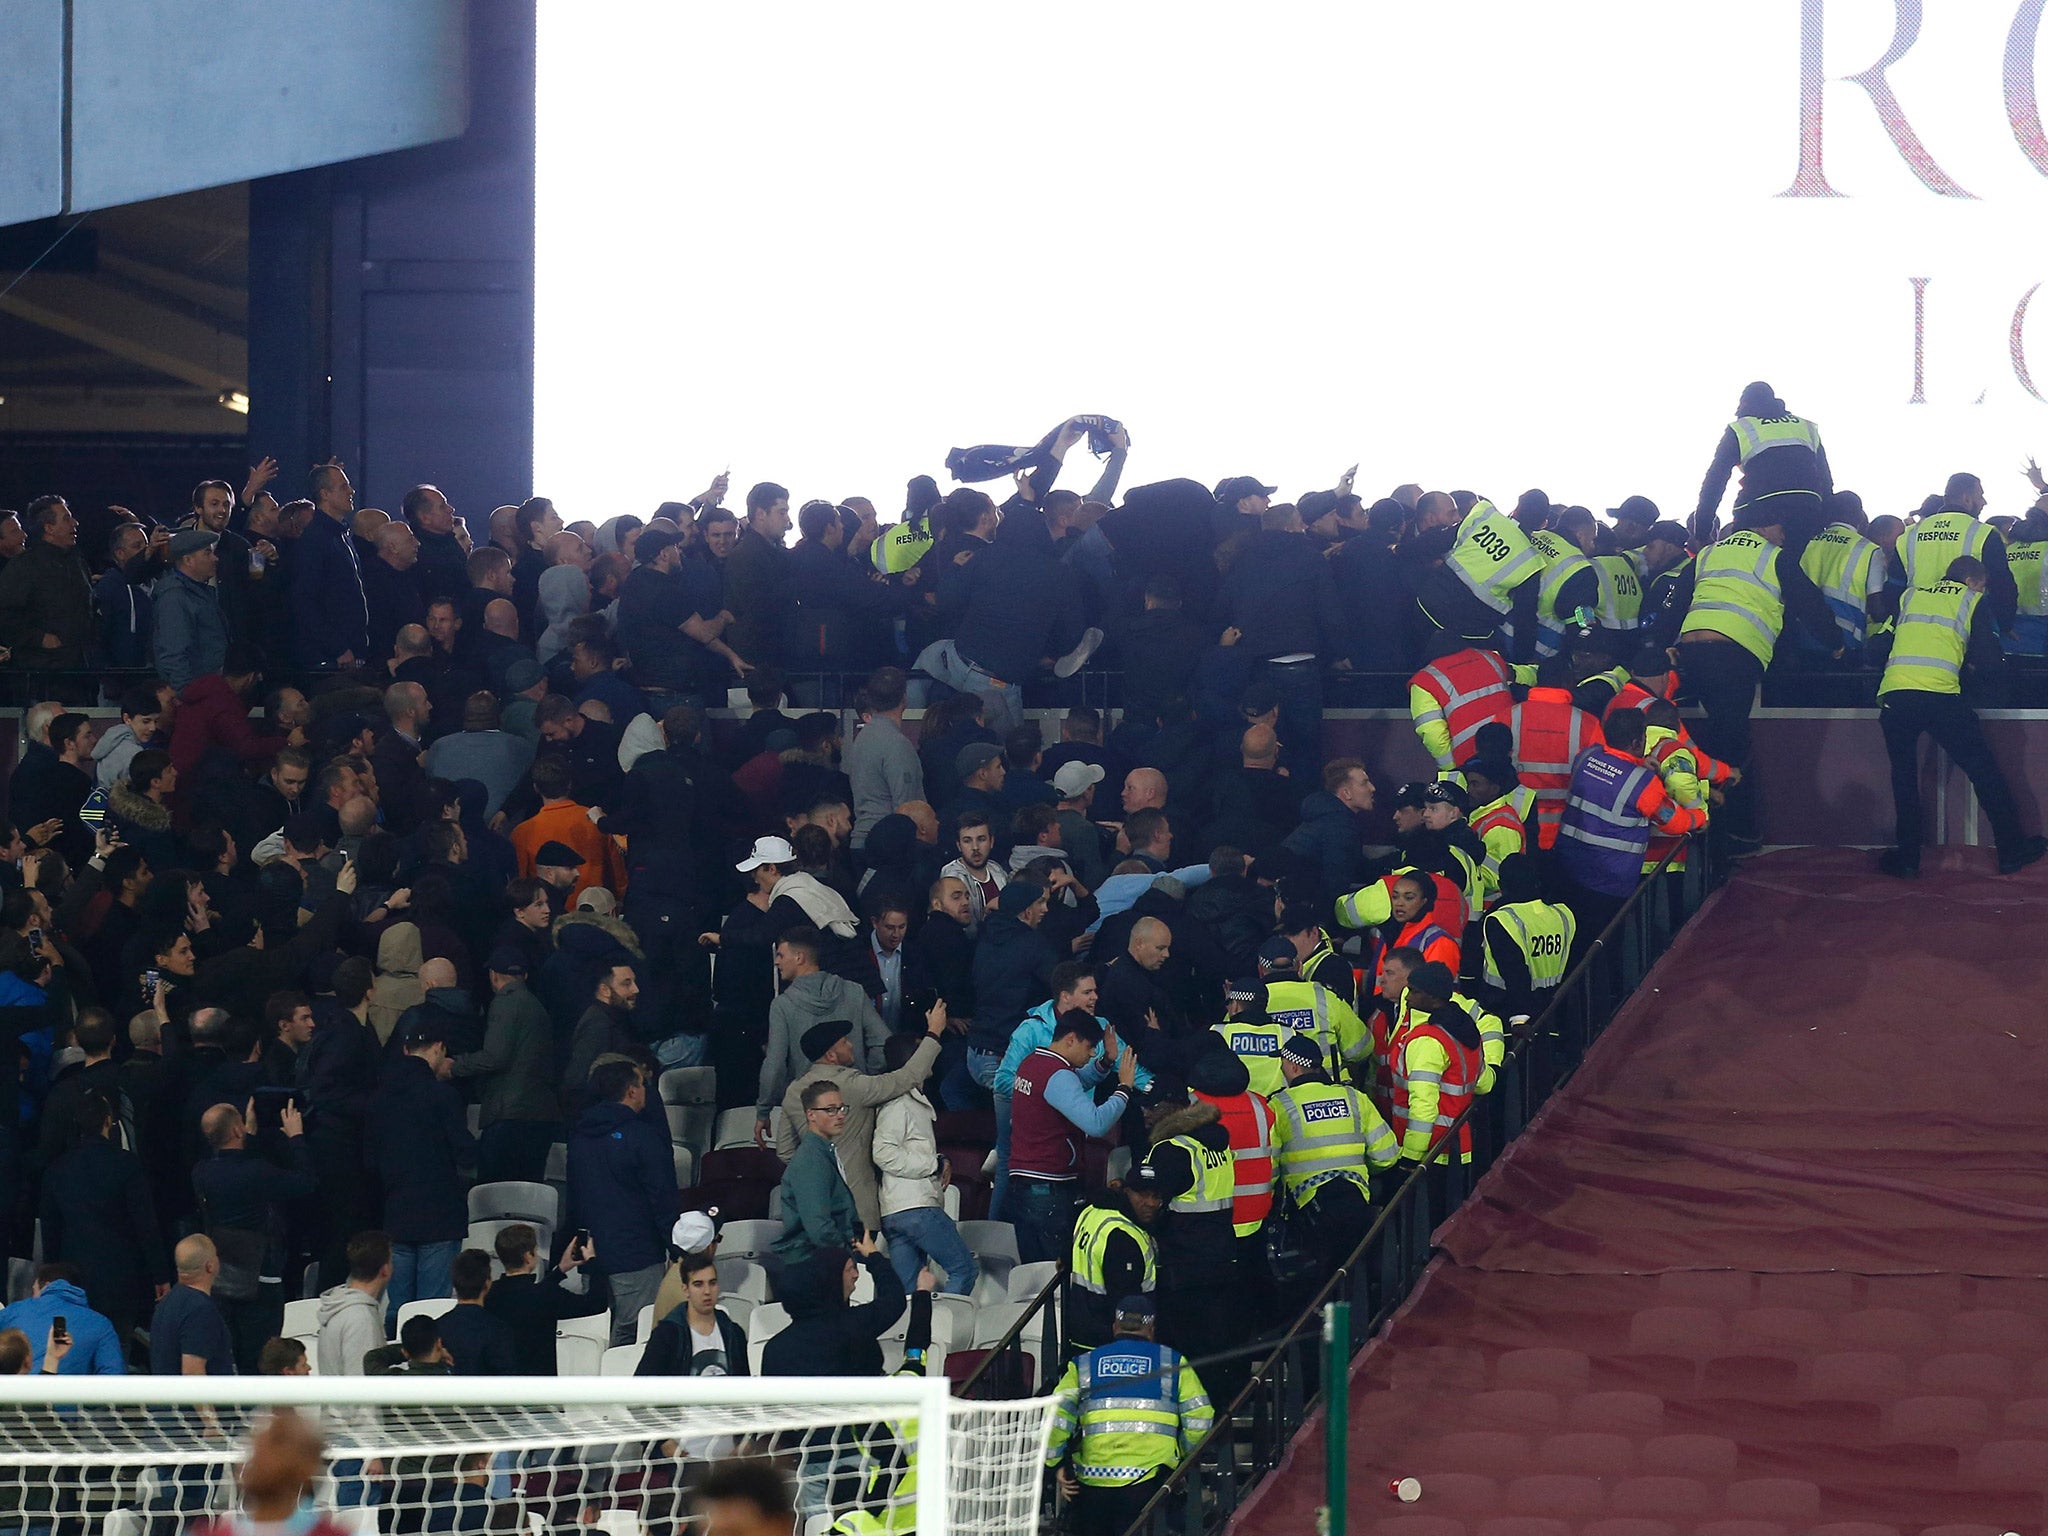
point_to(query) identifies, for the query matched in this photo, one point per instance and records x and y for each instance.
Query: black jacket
(329, 613)
(756, 576)
(394, 599)
(677, 812)
(1012, 975)
(531, 1305)
(1015, 604)
(1280, 593)
(480, 1343)
(825, 1336)
(97, 1214)
(418, 1142)
(834, 616)
(669, 1346)
(622, 1185)
(1333, 836)
(1376, 596)
(1196, 1249)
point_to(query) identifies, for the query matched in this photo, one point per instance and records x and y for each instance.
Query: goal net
(156, 1456)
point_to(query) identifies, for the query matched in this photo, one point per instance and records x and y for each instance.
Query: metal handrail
(1413, 1191)
(1010, 1347)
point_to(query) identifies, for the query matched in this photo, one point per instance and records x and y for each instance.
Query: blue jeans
(419, 1272)
(682, 1049)
(929, 1233)
(942, 660)
(981, 1067)
(1042, 1210)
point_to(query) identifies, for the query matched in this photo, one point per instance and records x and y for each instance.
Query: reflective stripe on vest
(1757, 434)
(1601, 818)
(1327, 1136)
(1093, 1228)
(1621, 590)
(1492, 556)
(899, 547)
(1933, 638)
(1736, 593)
(1929, 545)
(1454, 1088)
(1250, 1124)
(1543, 933)
(1838, 561)
(1313, 1020)
(1471, 691)
(1130, 1412)
(1215, 1186)
(1562, 560)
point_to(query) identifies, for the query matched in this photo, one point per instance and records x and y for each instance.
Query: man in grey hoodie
(808, 997)
(352, 1314)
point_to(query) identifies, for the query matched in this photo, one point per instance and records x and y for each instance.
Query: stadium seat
(769, 1319)
(1886, 1328)
(1993, 1374)
(21, 1279)
(686, 1165)
(1852, 1528)
(516, 1200)
(301, 1317)
(1655, 1375)
(1119, 1165)
(1438, 1365)
(2027, 1416)
(2011, 1464)
(484, 1235)
(1770, 1375)
(1774, 1498)
(747, 1162)
(577, 1351)
(1740, 1528)
(1860, 1373)
(733, 1128)
(1543, 1370)
(949, 1330)
(1493, 1452)
(738, 1308)
(1417, 1525)
(1027, 1280)
(962, 1310)
(1775, 1328)
(975, 1127)
(992, 1322)
(1557, 1494)
(1995, 1332)
(1726, 1289)
(1516, 1409)
(1957, 1421)
(1830, 1292)
(1463, 1493)
(1706, 1456)
(1522, 1525)
(1622, 1413)
(1660, 1495)
(747, 1239)
(643, 1324)
(734, 1199)
(1628, 1525)
(1590, 1453)
(433, 1306)
(892, 1357)
(689, 1098)
(741, 1276)
(1693, 1331)
(621, 1360)
(991, 1241)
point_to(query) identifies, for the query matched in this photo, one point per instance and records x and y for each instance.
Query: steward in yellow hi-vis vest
(1942, 631)
(1785, 475)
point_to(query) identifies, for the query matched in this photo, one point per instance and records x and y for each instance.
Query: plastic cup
(1406, 1489)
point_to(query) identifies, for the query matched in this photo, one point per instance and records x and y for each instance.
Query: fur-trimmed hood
(1184, 1121)
(138, 808)
(610, 927)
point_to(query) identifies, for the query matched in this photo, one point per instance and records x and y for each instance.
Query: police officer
(1252, 1035)
(1941, 630)
(1300, 1006)
(1198, 1305)
(1487, 581)
(1326, 1138)
(1526, 943)
(1785, 475)
(1114, 1255)
(1315, 953)
(1926, 548)
(1733, 601)
(1126, 1415)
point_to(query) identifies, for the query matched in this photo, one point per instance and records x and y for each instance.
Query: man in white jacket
(914, 1179)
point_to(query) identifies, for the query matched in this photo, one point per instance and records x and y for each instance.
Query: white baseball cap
(1074, 777)
(767, 850)
(694, 1231)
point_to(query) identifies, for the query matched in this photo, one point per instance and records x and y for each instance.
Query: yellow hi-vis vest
(1621, 591)
(1736, 593)
(2026, 563)
(1092, 1230)
(1325, 1131)
(1543, 933)
(1134, 1407)
(1258, 1047)
(1215, 1186)
(1838, 559)
(1755, 434)
(1562, 560)
(1492, 556)
(898, 547)
(1310, 1008)
(1926, 548)
(1932, 639)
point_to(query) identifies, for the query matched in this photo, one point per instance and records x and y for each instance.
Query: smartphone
(580, 1238)
(149, 981)
(35, 939)
(60, 1332)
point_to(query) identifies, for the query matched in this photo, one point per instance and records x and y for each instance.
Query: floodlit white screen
(1492, 244)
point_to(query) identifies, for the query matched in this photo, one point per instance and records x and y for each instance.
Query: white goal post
(154, 1453)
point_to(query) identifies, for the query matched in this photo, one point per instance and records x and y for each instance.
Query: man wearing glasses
(817, 1207)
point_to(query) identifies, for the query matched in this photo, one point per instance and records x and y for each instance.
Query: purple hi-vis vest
(1601, 838)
